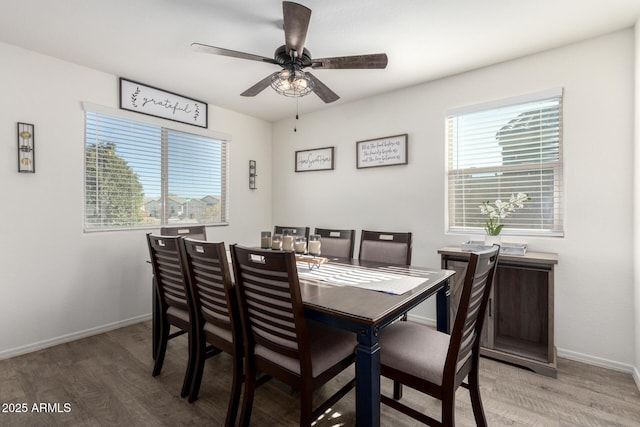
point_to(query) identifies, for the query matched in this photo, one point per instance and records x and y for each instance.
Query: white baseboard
(636, 377)
(596, 361)
(12, 352)
(422, 320)
(567, 354)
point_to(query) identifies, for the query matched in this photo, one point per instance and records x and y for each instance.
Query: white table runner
(362, 277)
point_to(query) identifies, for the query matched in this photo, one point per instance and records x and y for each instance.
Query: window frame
(558, 225)
(224, 138)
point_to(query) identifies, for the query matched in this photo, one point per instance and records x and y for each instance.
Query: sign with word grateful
(156, 102)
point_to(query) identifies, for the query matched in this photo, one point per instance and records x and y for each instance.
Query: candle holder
(314, 245)
(276, 242)
(287, 239)
(265, 240)
(300, 245)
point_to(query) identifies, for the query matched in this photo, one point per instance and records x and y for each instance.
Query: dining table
(364, 297)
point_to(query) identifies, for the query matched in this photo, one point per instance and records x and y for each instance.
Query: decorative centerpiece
(498, 211)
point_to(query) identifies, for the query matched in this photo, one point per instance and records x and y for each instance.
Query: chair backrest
(298, 231)
(387, 247)
(194, 231)
(337, 243)
(214, 297)
(467, 328)
(271, 306)
(168, 271)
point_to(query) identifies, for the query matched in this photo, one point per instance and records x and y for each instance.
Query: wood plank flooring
(106, 380)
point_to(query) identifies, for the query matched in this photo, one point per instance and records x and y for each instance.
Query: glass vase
(492, 240)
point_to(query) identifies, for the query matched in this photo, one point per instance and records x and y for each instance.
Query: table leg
(368, 378)
(442, 308)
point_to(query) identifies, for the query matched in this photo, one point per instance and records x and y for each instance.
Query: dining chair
(194, 231)
(387, 247)
(435, 363)
(279, 341)
(336, 243)
(216, 315)
(174, 302)
(298, 231)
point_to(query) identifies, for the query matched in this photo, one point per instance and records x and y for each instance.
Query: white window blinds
(496, 150)
(143, 175)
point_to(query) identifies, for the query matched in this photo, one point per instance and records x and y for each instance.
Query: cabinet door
(522, 312)
(455, 284)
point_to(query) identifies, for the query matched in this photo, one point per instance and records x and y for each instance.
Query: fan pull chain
(295, 126)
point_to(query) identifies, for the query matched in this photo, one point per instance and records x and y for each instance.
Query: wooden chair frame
(261, 279)
(194, 231)
(461, 351)
(215, 303)
(172, 292)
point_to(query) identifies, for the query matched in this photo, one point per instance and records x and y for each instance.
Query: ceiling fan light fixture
(292, 82)
(293, 57)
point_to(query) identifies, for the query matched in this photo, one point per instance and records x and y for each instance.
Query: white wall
(594, 309)
(636, 216)
(56, 282)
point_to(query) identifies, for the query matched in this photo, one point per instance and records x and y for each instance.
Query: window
(499, 149)
(144, 175)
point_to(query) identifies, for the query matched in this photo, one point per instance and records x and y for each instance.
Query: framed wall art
(317, 159)
(387, 151)
(156, 102)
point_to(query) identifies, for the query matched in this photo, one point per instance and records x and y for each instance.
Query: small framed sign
(156, 102)
(317, 159)
(387, 151)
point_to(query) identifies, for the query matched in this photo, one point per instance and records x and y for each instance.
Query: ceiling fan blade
(296, 23)
(198, 47)
(323, 92)
(376, 60)
(260, 86)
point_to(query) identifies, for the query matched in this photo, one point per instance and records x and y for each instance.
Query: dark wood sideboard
(518, 325)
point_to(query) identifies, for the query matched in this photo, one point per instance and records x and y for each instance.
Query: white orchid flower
(500, 210)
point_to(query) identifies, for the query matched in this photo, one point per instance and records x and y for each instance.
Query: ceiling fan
(293, 57)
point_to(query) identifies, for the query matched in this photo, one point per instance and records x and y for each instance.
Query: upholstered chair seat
(423, 358)
(327, 348)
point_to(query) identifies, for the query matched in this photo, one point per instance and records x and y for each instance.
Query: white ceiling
(149, 40)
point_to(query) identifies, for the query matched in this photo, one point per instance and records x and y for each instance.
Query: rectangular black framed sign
(387, 151)
(317, 159)
(156, 102)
